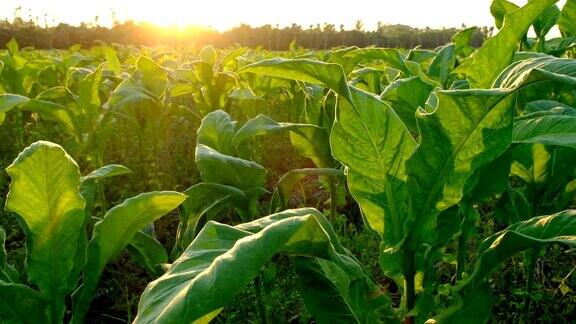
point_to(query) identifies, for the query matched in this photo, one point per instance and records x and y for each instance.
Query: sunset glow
(224, 14)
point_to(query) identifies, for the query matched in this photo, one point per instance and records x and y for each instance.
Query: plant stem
(461, 260)
(469, 216)
(409, 285)
(332, 184)
(462, 240)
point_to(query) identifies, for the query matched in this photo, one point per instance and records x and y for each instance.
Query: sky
(225, 14)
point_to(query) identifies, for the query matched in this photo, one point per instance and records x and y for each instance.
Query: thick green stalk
(409, 283)
(461, 260)
(333, 198)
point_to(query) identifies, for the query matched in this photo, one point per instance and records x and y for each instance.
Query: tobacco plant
(46, 196)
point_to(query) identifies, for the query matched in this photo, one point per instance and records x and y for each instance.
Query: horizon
(225, 15)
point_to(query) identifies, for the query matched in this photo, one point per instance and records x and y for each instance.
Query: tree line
(31, 33)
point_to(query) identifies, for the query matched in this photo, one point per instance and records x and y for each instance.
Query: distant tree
(29, 33)
(359, 25)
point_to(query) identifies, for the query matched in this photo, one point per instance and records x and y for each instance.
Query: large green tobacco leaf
(313, 143)
(567, 19)
(112, 59)
(44, 193)
(21, 304)
(490, 179)
(373, 143)
(547, 172)
(129, 93)
(316, 72)
(107, 171)
(113, 233)
(531, 163)
(498, 51)
(9, 101)
(46, 109)
(331, 295)
(223, 260)
(216, 131)
(546, 21)
(443, 65)
(462, 41)
(499, 9)
(148, 252)
(50, 111)
(559, 228)
(467, 130)
(88, 185)
(405, 96)
(143, 247)
(321, 296)
(228, 170)
(263, 125)
(543, 68)
(390, 56)
(206, 200)
(549, 129)
(548, 105)
(89, 97)
(153, 75)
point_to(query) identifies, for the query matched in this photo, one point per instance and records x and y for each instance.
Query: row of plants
(429, 144)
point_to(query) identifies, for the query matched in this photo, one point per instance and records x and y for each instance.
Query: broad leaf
(216, 167)
(148, 252)
(332, 296)
(9, 101)
(44, 193)
(88, 185)
(153, 75)
(498, 51)
(204, 199)
(223, 260)
(112, 59)
(405, 96)
(390, 56)
(467, 130)
(113, 233)
(370, 139)
(216, 131)
(543, 68)
(263, 125)
(550, 130)
(499, 9)
(316, 72)
(107, 171)
(567, 19)
(20, 304)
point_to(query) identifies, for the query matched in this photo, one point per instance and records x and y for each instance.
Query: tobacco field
(240, 185)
